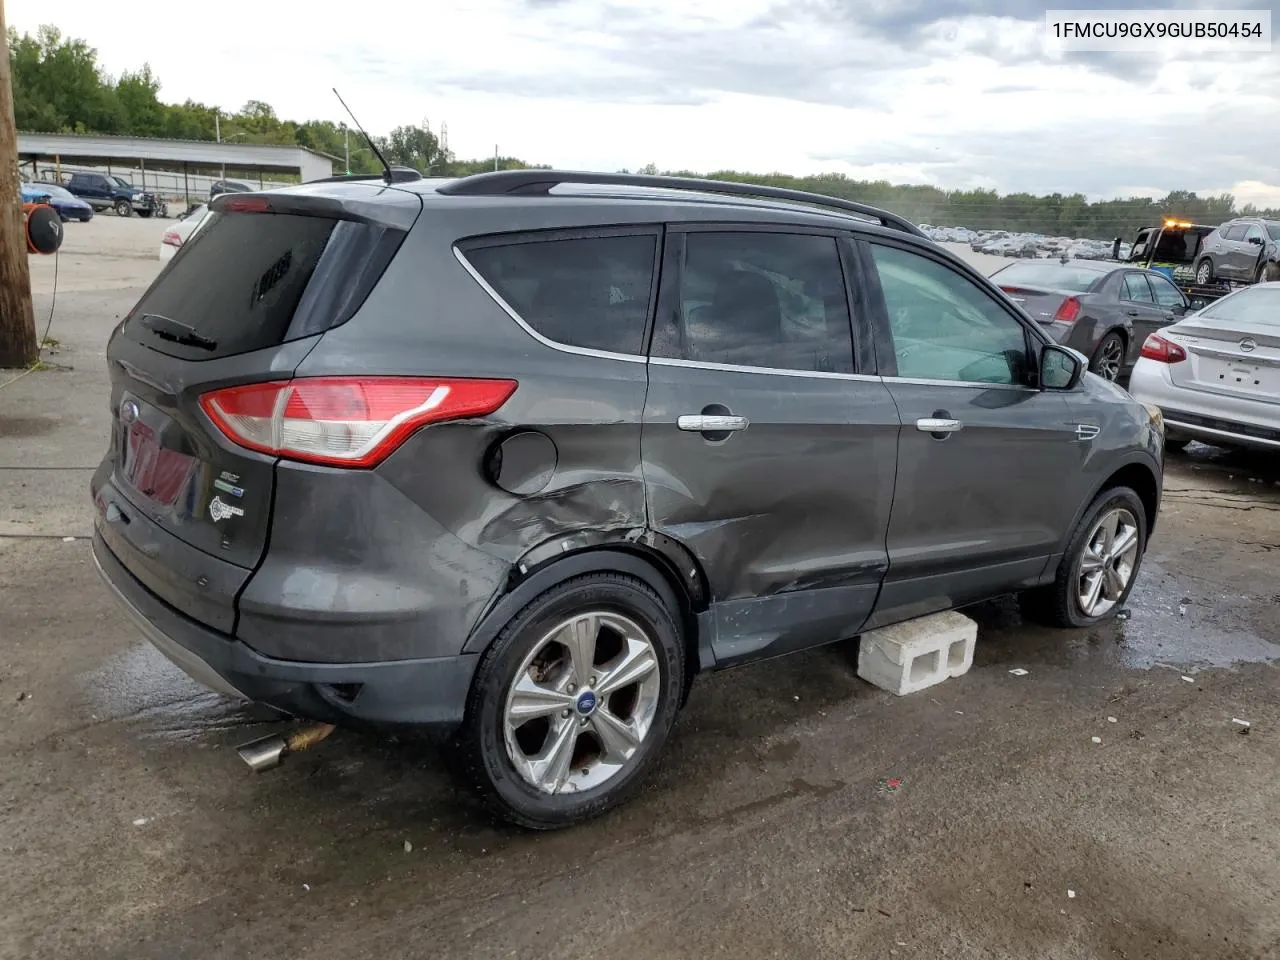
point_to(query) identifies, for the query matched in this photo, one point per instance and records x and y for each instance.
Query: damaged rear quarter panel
(589, 408)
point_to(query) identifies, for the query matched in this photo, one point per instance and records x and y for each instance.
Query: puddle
(143, 687)
(1169, 625)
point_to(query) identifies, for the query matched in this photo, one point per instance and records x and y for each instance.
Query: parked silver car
(1216, 373)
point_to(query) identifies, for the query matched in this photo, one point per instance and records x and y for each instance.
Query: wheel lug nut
(573, 688)
(591, 682)
(564, 714)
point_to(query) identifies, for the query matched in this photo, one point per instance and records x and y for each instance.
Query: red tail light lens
(1157, 348)
(345, 421)
(1068, 311)
(172, 239)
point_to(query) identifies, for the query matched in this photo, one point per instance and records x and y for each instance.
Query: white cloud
(903, 91)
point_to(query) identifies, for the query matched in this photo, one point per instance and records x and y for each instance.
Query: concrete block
(919, 653)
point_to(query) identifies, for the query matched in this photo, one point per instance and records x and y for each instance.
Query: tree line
(59, 87)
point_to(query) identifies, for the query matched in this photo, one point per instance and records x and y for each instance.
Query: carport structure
(186, 157)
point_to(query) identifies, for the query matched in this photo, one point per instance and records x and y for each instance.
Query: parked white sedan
(181, 232)
(1215, 374)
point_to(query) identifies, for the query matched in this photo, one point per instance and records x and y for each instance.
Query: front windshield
(1047, 275)
(1259, 305)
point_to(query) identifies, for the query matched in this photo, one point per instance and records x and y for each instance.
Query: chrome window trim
(545, 341)
(775, 371)
(971, 384)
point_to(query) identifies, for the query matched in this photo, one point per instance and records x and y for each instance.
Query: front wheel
(1109, 357)
(573, 701)
(123, 208)
(1101, 564)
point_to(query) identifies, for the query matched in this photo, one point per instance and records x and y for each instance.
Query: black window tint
(761, 300)
(590, 292)
(945, 327)
(243, 281)
(1167, 295)
(1136, 289)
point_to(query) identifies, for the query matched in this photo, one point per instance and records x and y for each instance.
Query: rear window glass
(1258, 305)
(590, 292)
(244, 282)
(1056, 277)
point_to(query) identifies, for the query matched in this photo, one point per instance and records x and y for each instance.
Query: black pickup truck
(104, 191)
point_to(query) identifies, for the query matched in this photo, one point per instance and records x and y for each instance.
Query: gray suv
(1239, 250)
(511, 458)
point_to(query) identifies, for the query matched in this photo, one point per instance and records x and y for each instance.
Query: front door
(765, 451)
(988, 465)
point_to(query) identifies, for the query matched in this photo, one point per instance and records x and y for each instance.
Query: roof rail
(524, 182)
(398, 175)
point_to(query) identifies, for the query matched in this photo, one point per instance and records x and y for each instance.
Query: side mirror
(1256, 241)
(1061, 368)
(1180, 309)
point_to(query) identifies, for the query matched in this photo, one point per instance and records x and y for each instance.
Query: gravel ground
(128, 827)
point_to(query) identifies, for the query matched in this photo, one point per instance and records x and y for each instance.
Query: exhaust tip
(263, 754)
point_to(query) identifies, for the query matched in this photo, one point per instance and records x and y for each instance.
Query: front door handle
(702, 423)
(937, 425)
(1132, 313)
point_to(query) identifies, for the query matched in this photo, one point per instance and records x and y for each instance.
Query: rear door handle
(1133, 313)
(937, 425)
(711, 424)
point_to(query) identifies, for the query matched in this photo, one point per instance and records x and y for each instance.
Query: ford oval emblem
(129, 413)
(1248, 344)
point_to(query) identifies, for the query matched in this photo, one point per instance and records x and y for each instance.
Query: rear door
(768, 450)
(1235, 252)
(1143, 315)
(243, 301)
(989, 467)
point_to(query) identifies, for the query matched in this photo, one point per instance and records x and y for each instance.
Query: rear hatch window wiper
(168, 329)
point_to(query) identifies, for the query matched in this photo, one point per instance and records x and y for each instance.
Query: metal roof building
(184, 156)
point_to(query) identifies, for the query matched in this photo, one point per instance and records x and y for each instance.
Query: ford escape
(511, 458)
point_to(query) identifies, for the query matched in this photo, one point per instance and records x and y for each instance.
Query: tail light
(172, 238)
(1157, 348)
(345, 421)
(248, 204)
(1068, 311)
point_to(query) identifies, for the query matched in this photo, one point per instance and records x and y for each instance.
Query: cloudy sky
(948, 92)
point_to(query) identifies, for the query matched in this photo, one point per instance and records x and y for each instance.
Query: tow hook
(269, 752)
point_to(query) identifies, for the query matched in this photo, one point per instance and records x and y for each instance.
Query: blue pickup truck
(104, 191)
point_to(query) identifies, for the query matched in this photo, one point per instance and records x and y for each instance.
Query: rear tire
(572, 702)
(1108, 359)
(1089, 568)
(1204, 272)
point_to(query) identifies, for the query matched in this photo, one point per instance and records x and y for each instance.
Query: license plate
(152, 470)
(1241, 376)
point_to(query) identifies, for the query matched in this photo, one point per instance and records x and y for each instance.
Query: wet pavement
(797, 811)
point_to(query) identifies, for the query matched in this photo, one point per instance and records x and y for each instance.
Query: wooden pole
(18, 346)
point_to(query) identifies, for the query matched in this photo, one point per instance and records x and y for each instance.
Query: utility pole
(18, 344)
(495, 156)
(346, 145)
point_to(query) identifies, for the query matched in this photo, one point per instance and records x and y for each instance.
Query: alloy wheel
(582, 702)
(1108, 562)
(1110, 356)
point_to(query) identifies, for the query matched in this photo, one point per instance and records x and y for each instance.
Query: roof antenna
(386, 167)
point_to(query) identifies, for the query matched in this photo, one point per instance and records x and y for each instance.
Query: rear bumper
(427, 694)
(1205, 416)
